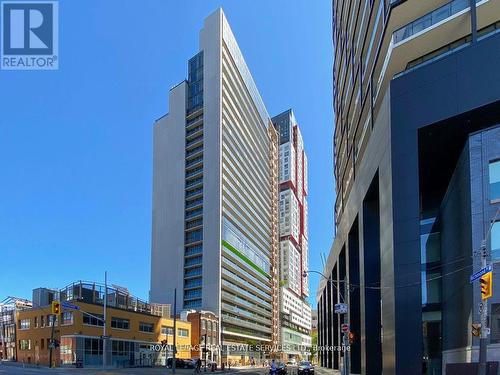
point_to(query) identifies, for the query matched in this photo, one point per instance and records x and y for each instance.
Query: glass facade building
(411, 91)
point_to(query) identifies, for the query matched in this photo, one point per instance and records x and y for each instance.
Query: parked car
(280, 369)
(189, 363)
(305, 367)
(210, 364)
(179, 363)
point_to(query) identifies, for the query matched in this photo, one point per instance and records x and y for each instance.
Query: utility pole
(175, 331)
(483, 341)
(51, 345)
(2, 340)
(342, 309)
(105, 305)
(346, 336)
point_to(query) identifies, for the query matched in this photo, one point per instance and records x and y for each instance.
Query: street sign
(340, 308)
(481, 272)
(69, 306)
(345, 328)
(105, 337)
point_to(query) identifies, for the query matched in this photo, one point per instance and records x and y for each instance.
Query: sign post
(485, 270)
(345, 343)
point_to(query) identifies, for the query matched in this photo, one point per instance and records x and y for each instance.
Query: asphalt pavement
(17, 369)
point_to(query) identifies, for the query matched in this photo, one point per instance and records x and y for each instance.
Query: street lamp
(341, 310)
(329, 279)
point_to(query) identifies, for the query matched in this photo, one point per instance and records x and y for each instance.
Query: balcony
(225, 296)
(192, 283)
(246, 324)
(194, 203)
(194, 151)
(194, 131)
(234, 289)
(195, 141)
(193, 250)
(192, 272)
(195, 261)
(194, 192)
(247, 314)
(192, 294)
(194, 161)
(194, 182)
(436, 16)
(194, 213)
(194, 172)
(194, 224)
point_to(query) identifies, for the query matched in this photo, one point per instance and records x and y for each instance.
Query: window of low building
(183, 332)
(167, 330)
(120, 323)
(495, 242)
(146, 327)
(494, 174)
(52, 319)
(495, 323)
(93, 319)
(93, 346)
(121, 348)
(67, 318)
(24, 323)
(25, 344)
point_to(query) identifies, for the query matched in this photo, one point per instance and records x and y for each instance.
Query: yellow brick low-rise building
(131, 329)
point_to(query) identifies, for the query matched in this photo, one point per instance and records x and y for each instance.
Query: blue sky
(76, 144)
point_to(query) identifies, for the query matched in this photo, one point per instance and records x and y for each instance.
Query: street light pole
(345, 342)
(51, 345)
(483, 340)
(175, 331)
(345, 337)
(105, 305)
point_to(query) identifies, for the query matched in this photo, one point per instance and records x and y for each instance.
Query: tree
(314, 345)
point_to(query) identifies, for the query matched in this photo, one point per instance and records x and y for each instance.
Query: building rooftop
(117, 297)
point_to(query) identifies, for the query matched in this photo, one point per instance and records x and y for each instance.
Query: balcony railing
(430, 19)
(94, 293)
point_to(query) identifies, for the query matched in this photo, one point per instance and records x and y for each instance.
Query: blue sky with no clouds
(76, 143)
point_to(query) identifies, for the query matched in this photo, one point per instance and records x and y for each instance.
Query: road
(9, 369)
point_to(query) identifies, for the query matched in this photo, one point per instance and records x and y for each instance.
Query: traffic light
(486, 282)
(476, 329)
(56, 307)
